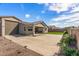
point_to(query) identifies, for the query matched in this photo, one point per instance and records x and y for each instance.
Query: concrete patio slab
(44, 44)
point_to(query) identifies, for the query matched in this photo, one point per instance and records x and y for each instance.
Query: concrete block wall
(77, 38)
(75, 33)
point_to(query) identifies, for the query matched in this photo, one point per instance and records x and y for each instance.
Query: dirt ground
(9, 48)
(44, 44)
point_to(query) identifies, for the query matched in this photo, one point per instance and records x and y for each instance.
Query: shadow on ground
(19, 35)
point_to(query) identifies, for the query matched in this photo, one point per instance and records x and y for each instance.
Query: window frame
(30, 29)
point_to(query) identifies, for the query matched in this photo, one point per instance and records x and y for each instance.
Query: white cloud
(69, 19)
(75, 9)
(66, 20)
(59, 7)
(27, 15)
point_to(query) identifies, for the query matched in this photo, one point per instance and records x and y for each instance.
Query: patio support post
(43, 30)
(3, 27)
(33, 30)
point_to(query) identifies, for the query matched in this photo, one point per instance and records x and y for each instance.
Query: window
(30, 29)
(24, 28)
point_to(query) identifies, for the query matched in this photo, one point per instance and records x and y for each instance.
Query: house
(10, 25)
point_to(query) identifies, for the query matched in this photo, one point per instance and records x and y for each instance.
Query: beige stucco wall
(77, 38)
(9, 25)
(0, 27)
(21, 29)
(46, 30)
(75, 33)
(69, 31)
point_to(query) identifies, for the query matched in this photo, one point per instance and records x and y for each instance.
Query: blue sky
(58, 14)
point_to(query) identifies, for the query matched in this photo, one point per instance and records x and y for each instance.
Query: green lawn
(56, 33)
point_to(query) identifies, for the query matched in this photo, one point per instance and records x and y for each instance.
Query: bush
(69, 51)
(68, 40)
(65, 44)
(65, 32)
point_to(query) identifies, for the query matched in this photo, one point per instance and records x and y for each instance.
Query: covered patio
(39, 28)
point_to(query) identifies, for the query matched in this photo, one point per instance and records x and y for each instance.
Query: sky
(58, 14)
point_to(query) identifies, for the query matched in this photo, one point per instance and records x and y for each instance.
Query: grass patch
(56, 33)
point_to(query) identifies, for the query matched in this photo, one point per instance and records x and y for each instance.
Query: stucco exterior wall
(11, 27)
(77, 39)
(0, 27)
(45, 29)
(25, 32)
(75, 33)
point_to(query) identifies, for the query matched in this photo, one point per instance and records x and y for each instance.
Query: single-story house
(10, 25)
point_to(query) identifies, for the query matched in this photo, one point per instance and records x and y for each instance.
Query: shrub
(69, 51)
(65, 32)
(68, 40)
(65, 44)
